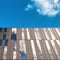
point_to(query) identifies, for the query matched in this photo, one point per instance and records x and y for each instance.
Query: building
(30, 43)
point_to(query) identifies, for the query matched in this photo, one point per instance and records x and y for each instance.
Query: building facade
(30, 43)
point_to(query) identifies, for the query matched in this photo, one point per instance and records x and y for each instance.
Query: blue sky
(13, 14)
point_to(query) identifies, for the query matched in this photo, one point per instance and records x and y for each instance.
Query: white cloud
(45, 7)
(28, 7)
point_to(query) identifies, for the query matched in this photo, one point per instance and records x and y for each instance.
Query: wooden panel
(31, 32)
(25, 34)
(57, 47)
(28, 49)
(58, 29)
(49, 35)
(44, 49)
(55, 33)
(28, 43)
(18, 50)
(9, 31)
(1, 34)
(10, 49)
(2, 49)
(41, 32)
(37, 50)
(19, 34)
(52, 49)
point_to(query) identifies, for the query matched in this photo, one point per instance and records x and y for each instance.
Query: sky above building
(29, 13)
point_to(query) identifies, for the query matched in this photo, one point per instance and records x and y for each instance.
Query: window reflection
(13, 36)
(23, 55)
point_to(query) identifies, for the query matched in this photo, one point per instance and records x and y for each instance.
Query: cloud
(28, 7)
(45, 7)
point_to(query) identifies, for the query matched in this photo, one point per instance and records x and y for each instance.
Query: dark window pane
(6, 42)
(23, 55)
(13, 36)
(5, 30)
(4, 36)
(0, 29)
(0, 42)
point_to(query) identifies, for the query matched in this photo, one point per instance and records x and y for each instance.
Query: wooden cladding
(30, 43)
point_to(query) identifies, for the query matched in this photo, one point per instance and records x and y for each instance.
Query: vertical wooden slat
(57, 47)
(31, 32)
(8, 35)
(28, 44)
(19, 33)
(17, 43)
(41, 32)
(36, 47)
(49, 50)
(58, 29)
(37, 50)
(52, 49)
(10, 49)
(55, 33)
(2, 49)
(18, 50)
(28, 49)
(25, 33)
(1, 34)
(49, 35)
(10, 44)
(44, 49)
(3, 42)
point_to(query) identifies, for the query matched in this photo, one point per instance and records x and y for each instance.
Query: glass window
(5, 30)
(23, 55)
(0, 29)
(0, 42)
(4, 36)
(13, 36)
(6, 42)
